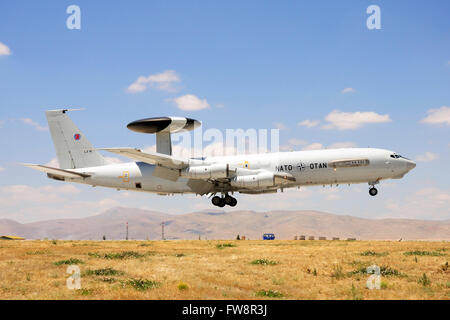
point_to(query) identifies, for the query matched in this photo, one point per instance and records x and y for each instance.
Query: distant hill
(215, 224)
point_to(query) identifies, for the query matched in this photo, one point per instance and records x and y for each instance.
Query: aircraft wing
(56, 171)
(156, 158)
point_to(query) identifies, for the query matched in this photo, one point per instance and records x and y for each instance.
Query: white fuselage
(307, 167)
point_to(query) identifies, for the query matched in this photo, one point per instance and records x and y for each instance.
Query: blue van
(268, 236)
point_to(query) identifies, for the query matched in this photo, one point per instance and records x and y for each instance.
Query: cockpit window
(396, 156)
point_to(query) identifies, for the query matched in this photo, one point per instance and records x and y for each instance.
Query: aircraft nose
(410, 165)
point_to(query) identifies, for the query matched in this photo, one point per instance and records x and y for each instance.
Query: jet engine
(214, 171)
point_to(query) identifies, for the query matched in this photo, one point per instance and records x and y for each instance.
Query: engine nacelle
(261, 180)
(214, 171)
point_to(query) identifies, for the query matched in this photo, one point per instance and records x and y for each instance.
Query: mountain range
(213, 224)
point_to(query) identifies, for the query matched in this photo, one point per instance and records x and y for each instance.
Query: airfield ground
(224, 269)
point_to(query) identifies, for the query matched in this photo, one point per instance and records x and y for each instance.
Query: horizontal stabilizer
(151, 157)
(57, 172)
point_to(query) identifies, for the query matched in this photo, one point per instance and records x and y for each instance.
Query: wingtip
(29, 164)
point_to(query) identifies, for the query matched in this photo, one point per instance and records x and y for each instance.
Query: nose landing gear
(373, 191)
(222, 201)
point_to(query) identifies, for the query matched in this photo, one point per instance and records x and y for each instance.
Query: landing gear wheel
(233, 203)
(373, 191)
(216, 201)
(228, 200)
(222, 203)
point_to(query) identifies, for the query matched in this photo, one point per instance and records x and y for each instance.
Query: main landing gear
(222, 201)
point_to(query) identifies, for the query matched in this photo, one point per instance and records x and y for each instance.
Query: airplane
(219, 177)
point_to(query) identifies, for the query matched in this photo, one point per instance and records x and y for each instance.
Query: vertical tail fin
(72, 148)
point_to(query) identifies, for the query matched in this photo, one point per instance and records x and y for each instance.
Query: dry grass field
(224, 269)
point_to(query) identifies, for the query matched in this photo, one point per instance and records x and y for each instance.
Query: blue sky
(253, 64)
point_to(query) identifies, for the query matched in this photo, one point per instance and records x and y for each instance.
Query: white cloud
(286, 147)
(27, 203)
(2, 169)
(108, 203)
(348, 90)
(113, 160)
(47, 194)
(54, 163)
(339, 145)
(62, 189)
(4, 50)
(427, 203)
(162, 81)
(353, 120)
(313, 146)
(330, 193)
(296, 142)
(189, 102)
(279, 126)
(34, 124)
(427, 156)
(438, 116)
(308, 123)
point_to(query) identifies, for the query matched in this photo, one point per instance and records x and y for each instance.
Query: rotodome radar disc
(164, 124)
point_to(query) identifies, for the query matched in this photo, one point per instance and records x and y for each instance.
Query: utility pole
(162, 231)
(127, 231)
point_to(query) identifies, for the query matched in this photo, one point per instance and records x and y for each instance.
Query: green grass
(269, 294)
(142, 284)
(225, 245)
(424, 280)
(370, 253)
(337, 272)
(108, 280)
(384, 271)
(85, 292)
(119, 255)
(355, 293)
(104, 272)
(264, 262)
(424, 253)
(182, 286)
(68, 262)
(31, 253)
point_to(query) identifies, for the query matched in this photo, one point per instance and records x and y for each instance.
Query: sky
(313, 69)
